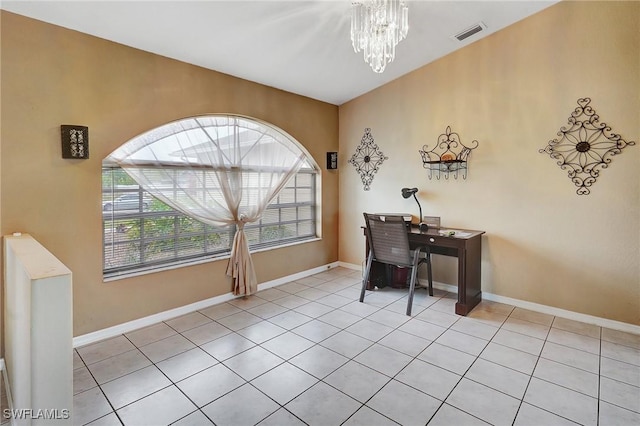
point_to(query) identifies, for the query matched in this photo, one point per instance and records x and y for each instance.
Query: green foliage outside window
(166, 234)
(116, 177)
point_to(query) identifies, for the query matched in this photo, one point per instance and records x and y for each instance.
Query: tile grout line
(599, 378)
(174, 384)
(101, 391)
(414, 358)
(524, 394)
(322, 380)
(286, 361)
(390, 379)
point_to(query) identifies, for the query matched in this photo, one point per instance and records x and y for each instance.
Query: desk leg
(469, 274)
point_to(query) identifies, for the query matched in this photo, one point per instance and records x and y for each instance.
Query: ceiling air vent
(470, 31)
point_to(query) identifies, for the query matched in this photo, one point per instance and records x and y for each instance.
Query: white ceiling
(302, 47)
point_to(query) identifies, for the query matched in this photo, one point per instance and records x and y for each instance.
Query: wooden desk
(468, 250)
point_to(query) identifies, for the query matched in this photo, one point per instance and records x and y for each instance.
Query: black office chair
(388, 241)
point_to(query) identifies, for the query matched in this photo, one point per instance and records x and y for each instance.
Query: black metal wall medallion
(585, 147)
(367, 159)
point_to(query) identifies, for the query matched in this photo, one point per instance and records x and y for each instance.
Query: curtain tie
(241, 221)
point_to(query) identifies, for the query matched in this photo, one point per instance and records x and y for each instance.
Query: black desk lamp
(408, 192)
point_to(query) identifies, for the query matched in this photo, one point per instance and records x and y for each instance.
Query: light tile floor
(307, 352)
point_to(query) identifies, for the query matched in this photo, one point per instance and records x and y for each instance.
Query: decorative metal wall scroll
(449, 155)
(367, 159)
(585, 147)
(75, 141)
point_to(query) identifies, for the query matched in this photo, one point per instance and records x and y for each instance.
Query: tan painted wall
(512, 91)
(53, 76)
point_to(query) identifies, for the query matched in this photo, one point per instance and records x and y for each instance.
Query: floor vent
(470, 31)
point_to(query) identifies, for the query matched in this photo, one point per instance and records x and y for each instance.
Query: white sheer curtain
(219, 169)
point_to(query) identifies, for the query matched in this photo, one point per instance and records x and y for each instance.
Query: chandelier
(377, 26)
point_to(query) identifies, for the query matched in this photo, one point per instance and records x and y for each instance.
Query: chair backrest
(388, 239)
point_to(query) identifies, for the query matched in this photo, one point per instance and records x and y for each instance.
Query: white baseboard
(127, 327)
(351, 266)
(545, 309)
(563, 313)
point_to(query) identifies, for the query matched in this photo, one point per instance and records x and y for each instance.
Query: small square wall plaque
(75, 141)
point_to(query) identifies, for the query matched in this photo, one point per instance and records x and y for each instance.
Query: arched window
(172, 195)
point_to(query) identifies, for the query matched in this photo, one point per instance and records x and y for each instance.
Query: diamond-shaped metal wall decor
(585, 147)
(367, 159)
